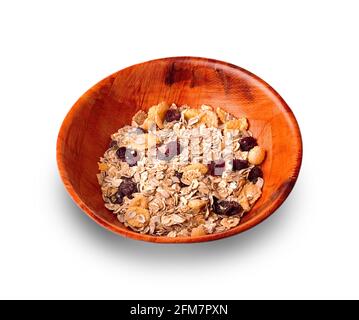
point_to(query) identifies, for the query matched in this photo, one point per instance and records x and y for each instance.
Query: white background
(51, 52)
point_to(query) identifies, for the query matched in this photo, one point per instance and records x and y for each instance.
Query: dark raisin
(117, 198)
(113, 143)
(216, 167)
(127, 188)
(247, 143)
(254, 174)
(228, 208)
(129, 155)
(231, 208)
(132, 157)
(216, 206)
(172, 149)
(121, 153)
(173, 115)
(239, 164)
(179, 176)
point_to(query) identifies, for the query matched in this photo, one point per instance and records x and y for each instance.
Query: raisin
(215, 206)
(128, 155)
(247, 143)
(172, 149)
(231, 208)
(254, 174)
(173, 115)
(113, 143)
(127, 188)
(239, 164)
(121, 153)
(216, 167)
(179, 176)
(117, 198)
(132, 157)
(227, 208)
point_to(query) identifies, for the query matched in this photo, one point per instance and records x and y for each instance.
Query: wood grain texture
(111, 103)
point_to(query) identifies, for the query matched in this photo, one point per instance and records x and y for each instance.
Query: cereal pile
(179, 171)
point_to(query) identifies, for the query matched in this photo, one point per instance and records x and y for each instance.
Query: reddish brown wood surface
(110, 104)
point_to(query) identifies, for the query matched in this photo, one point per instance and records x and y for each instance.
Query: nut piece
(222, 115)
(256, 155)
(210, 119)
(102, 166)
(197, 204)
(196, 166)
(199, 231)
(139, 201)
(239, 124)
(139, 117)
(191, 113)
(137, 217)
(157, 115)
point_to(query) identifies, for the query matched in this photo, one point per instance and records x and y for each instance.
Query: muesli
(179, 171)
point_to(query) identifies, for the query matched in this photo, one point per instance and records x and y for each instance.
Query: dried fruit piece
(227, 208)
(113, 143)
(237, 124)
(121, 153)
(196, 166)
(137, 217)
(254, 174)
(216, 167)
(139, 201)
(216, 205)
(173, 115)
(172, 149)
(179, 176)
(231, 208)
(128, 155)
(131, 157)
(239, 164)
(127, 188)
(256, 155)
(102, 166)
(198, 231)
(117, 198)
(247, 143)
(197, 204)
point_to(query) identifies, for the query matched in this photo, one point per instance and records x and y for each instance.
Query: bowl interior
(110, 104)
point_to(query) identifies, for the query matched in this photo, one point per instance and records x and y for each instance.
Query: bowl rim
(161, 239)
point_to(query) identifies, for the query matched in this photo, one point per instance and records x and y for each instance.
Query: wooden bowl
(110, 104)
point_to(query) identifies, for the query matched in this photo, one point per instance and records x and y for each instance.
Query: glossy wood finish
(110, 104)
